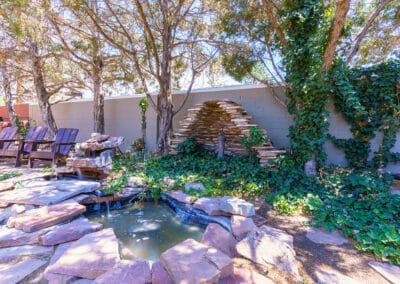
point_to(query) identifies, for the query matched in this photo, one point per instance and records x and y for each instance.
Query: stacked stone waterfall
(207, 119)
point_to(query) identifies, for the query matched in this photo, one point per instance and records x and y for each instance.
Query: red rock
(70, 232)
(193, 262)
(54, 278)
(127, 272)
(44, 217)
(209, 205)
(269, 248)
(245, 276)
(181, 197)
(10, 237)
(14, 273)
(90, 256)
(241, 226)
(159, 275)
(219, 238)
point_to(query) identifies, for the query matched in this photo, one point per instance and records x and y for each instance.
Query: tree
(87, 48)
(33, 35)
(161, 40)
(298, 41)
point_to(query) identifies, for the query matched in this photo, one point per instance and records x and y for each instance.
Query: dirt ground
(344, 259)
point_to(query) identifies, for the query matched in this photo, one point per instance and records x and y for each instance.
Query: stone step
(89, 257)
(36, 219)
(14, 273)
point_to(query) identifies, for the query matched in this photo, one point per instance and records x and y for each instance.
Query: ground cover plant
(357, 202)
(9, 175)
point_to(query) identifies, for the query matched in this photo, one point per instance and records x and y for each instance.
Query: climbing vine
(308, 96)
(369, 99)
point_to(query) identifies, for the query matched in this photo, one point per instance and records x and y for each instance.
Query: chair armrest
(65, 143)
(11, 140)
(39, 141)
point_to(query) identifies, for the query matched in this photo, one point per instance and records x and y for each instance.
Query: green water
(146, 229)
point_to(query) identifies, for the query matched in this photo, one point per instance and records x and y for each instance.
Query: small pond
(147, 229)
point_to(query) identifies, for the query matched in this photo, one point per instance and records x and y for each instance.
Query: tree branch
(269, 10)
(365, 29)
(335, 31)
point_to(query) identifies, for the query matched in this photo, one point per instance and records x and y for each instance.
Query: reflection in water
(146, 229)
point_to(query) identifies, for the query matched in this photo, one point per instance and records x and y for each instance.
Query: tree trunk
(98, 99)
(8, 96)
(42, 95)
(165, 123)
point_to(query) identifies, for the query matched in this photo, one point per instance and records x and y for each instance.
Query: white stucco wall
(122, 117)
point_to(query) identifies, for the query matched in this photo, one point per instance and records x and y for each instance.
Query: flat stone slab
(209, 205)
(47, 192)
(14, 273)
(40, 196)
(54, 278)
(77, 186)
(219, 238)
(328, 276)
(236, 206)
(320, 236)
(36, 219)
(245, 276)
(127, 272)
(13, 210)
(12, 253)
(390, 272)
(159, 275)
(193, 262)
(70, 232)
(241, 226)
(180, 196)
(269, 248)
(90, 256)
(10, 237)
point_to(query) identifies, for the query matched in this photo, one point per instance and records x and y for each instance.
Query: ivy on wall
(369, 99)
(307, 28)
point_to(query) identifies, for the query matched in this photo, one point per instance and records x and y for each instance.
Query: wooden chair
(60, 147)
(35, 133)
(6, 137)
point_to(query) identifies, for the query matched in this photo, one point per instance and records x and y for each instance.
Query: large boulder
(270, 248)
(241, 226)
(180, 196)
(236, 206)
(209, 205)
(217, 237)
(193, 262)
(90, 256)
(127, 272)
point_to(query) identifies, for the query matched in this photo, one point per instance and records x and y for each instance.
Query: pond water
(147, 229)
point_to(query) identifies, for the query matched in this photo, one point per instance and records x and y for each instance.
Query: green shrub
(358, 203)
(189, 146)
